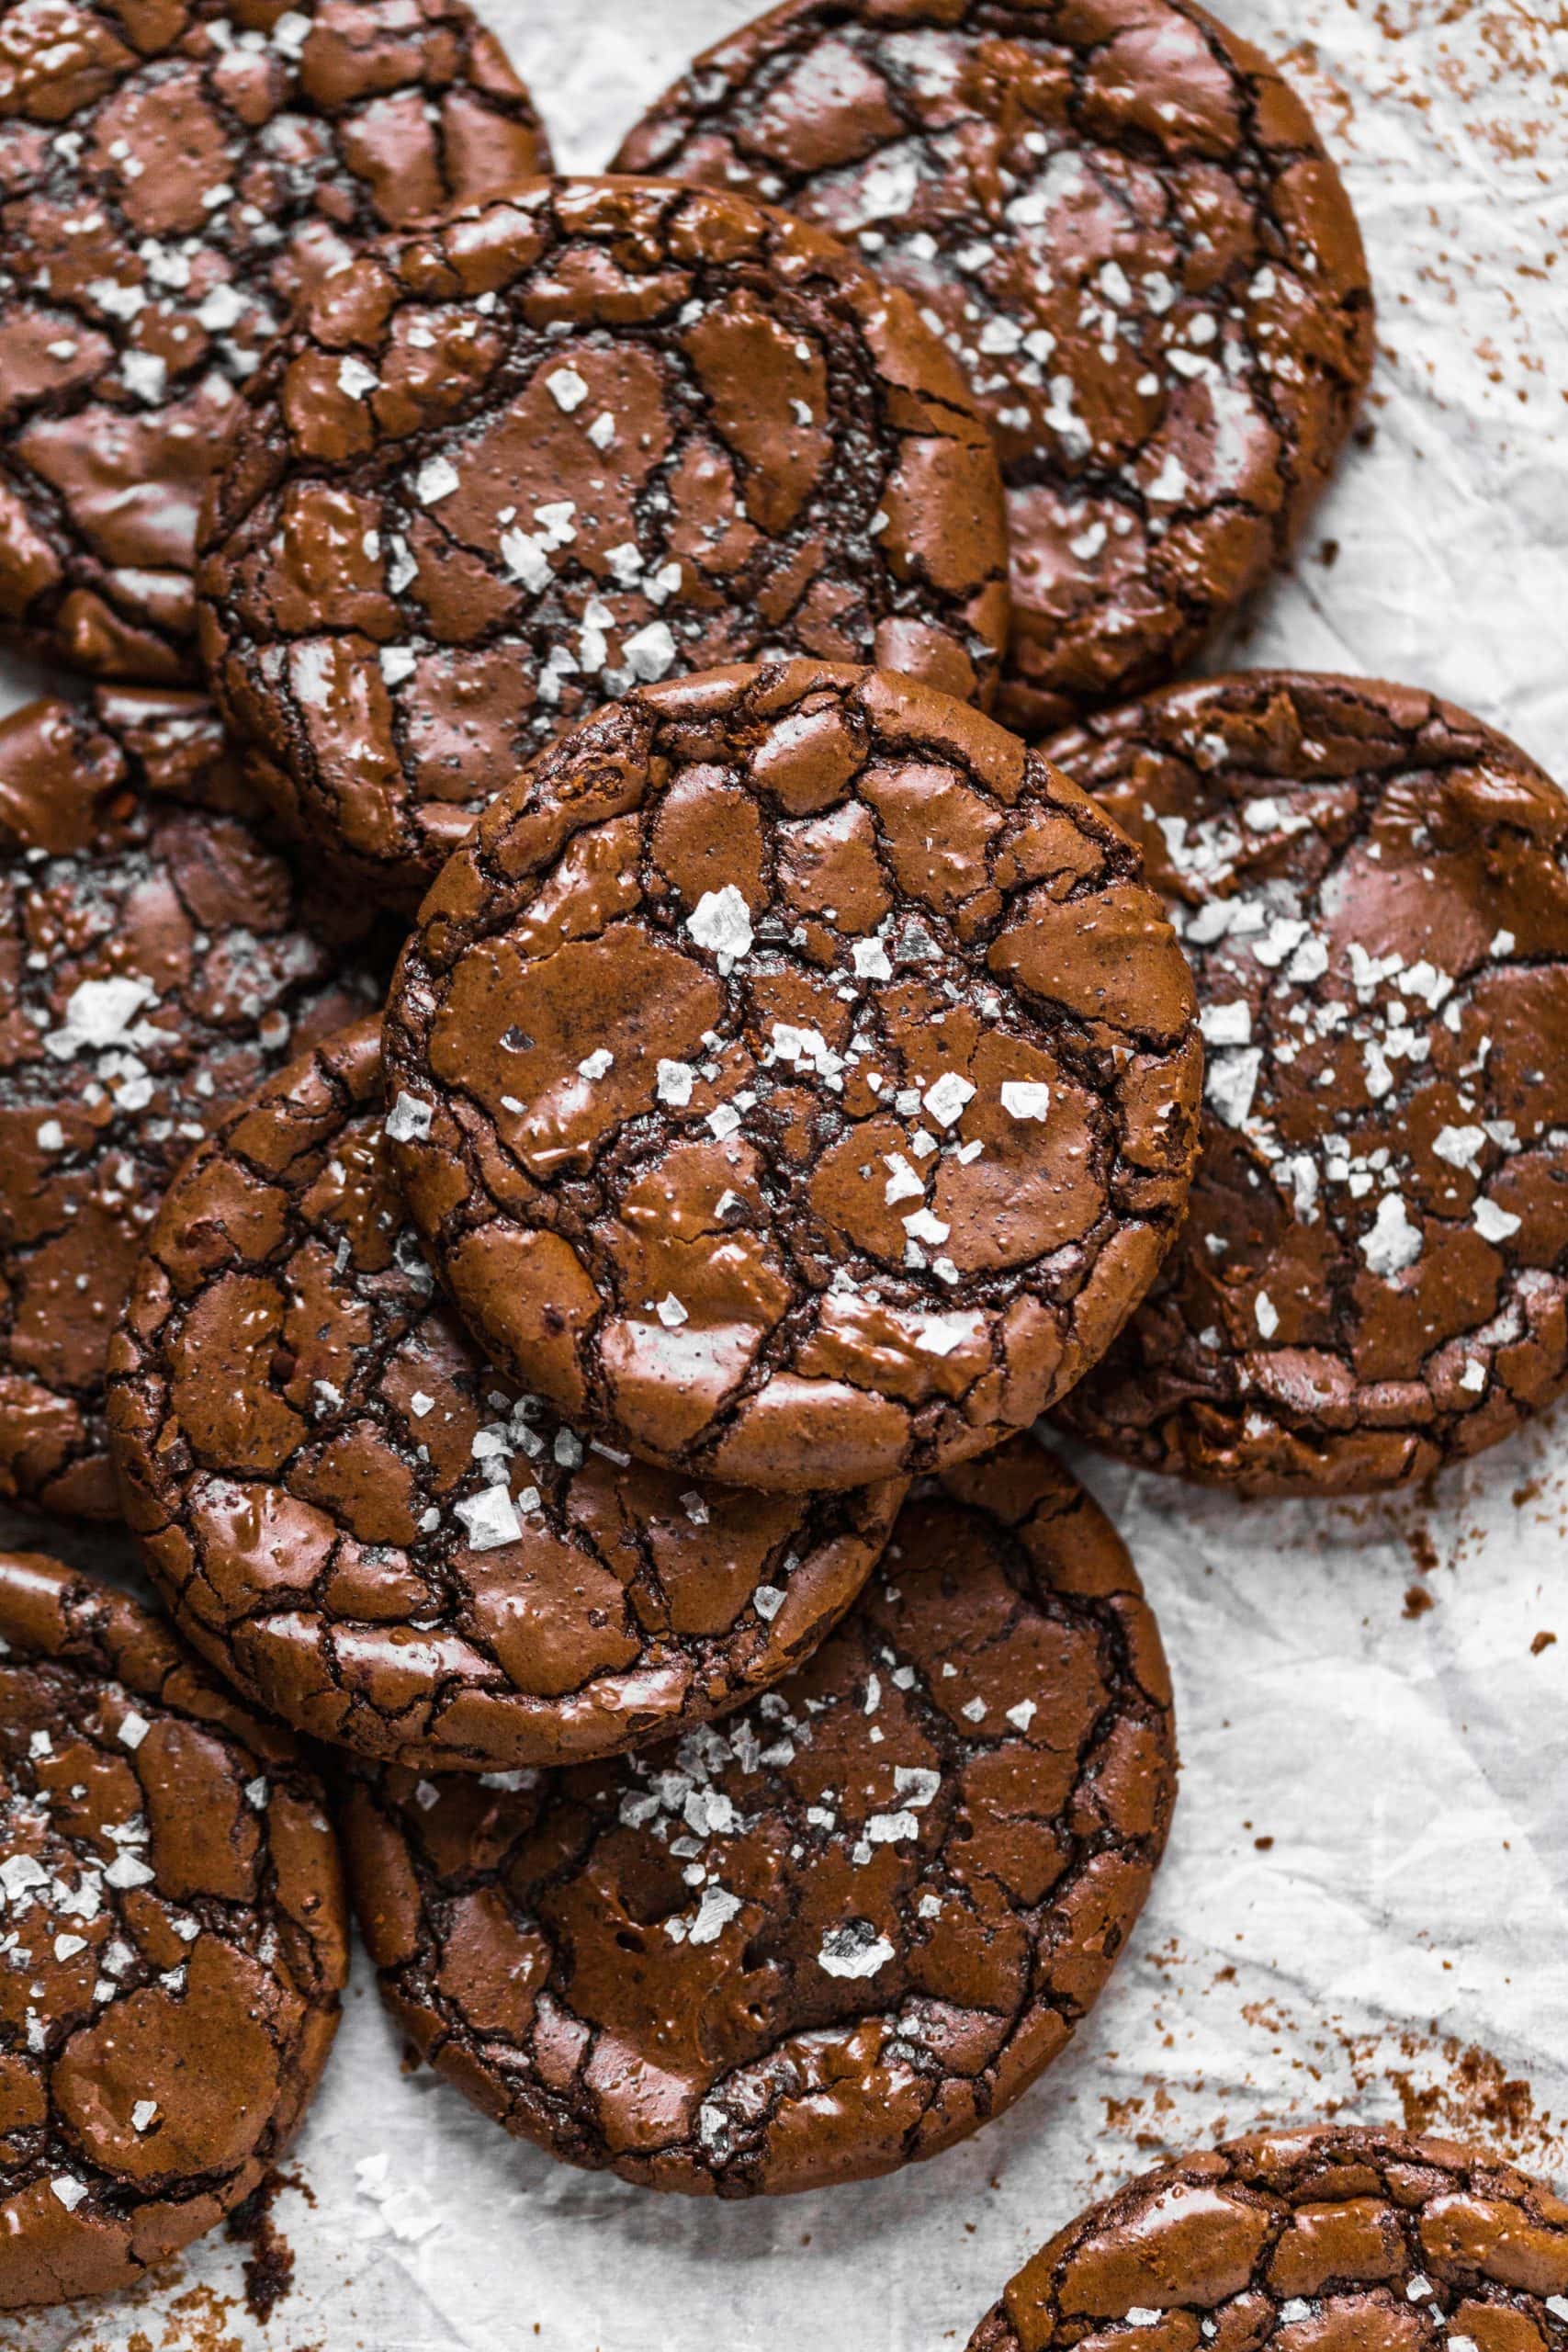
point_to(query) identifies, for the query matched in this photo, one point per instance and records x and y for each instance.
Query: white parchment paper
(1364, 1910)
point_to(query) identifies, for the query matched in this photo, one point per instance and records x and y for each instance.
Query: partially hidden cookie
(1296, 2240)
(837, 1932)
(1372, 888)
(608, 431)
(794, 1078)
(376, 1536)
(171, 176)
(1123, 224)
(157, 959)
(175, 1940)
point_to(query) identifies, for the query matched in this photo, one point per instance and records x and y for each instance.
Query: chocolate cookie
(374, 1535)
(157, 959)
(172, 175)
(1373, 889)
(175, 1940)
(606, 432)
(794, 1079)
(1299, 2241)
(1123, 224)
(837, 1932)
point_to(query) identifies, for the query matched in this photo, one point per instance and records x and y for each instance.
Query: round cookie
(604, 432)
(175, 1940)
(1289, 2240)
(170, 177)
(1374, 1277)
(794, 1079)
(369, 1530)
(157, 959)
(1126, 229)
(837, 1932)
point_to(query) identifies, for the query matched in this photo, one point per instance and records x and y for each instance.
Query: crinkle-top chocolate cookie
(172, 173)
(794, 1078)
(1373, 889)
(157, 959)
(370, 1532)
(1124, 226)
(1303, 2241)
(604, 432)
(837, 1932)
(172, 1940)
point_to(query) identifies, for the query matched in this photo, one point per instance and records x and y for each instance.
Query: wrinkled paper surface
(1364, 1909)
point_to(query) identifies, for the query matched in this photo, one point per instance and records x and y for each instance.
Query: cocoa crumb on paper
(1423, 1550)
(1422, 2078)
(198, 2321)
(269, 2266)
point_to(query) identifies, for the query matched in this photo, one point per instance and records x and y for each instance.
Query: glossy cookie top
(1124, 226)
(1291, 2241)
(174, 1940)
(794, 1078)
(172, 173)
(1373, 891)
(604, 432)
(375, 1534)
(157, 959)
(839, 1931)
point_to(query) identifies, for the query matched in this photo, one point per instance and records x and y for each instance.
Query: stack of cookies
(573, 1093)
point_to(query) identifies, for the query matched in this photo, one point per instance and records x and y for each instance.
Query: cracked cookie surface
(604, 432)
(794, 1079)
(157, 959)
(174, 1940)
(172, 173)
(837, 1932)
(1298, 2241)
(1372, 888)
(376, 1535)
(1124, 226)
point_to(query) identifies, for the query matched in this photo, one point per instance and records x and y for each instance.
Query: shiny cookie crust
(374, 1533)
(837, 1932)
(794, 1079)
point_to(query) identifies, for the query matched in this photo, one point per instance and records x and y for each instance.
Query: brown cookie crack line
(839, 1931)
(606, 432)
(1123, 225)
(371, 1531)
(172, 1940)
(157, 959)
(794, 1079)
(171, 177)
(1373, 1278)
(1303, 2239)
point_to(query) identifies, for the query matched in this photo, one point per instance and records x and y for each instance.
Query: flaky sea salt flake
(1231, 1083)
(947, 1096)
(652, 652)
(489, 1517)
(854, 1949)
(1393, 1243)
(1495, 1223)
(436, 479)
(721, 922)
(408, 1121)
(716, 1910)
